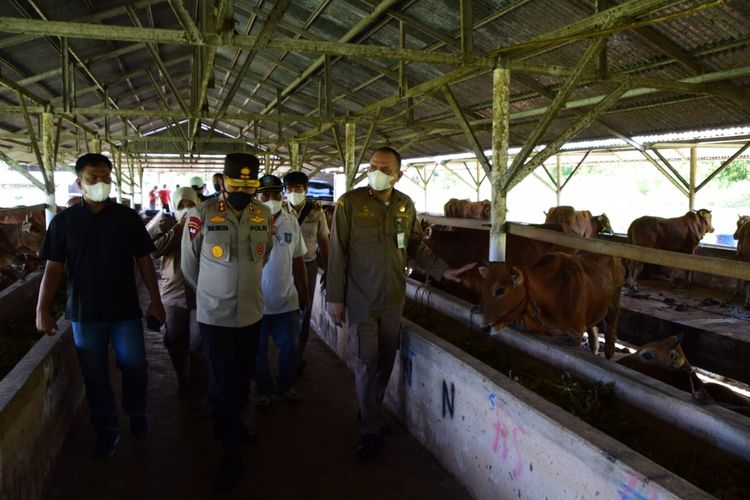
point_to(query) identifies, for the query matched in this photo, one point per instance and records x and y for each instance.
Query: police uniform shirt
(313, 227)
(369, 244)
(100, 251)
(279, 292)
(222, 259)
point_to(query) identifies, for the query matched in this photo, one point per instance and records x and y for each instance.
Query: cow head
(504, 294)
(666, 353)
(741, 220)
(486, 209)
(602, 225)
(705, 214)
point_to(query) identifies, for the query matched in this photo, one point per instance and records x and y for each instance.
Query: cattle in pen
(742, 235)
(581, 222)
(467, 209)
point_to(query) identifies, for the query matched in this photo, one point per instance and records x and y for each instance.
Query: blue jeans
(284, 329)
(92, 343)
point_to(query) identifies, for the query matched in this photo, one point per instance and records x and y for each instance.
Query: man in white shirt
(284, 285)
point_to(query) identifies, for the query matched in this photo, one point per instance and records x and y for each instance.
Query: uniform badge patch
(221, 206)
(217, 251)
(260, 249)
(194, 226)
(256, 219)
(217, 219)
(288, 237)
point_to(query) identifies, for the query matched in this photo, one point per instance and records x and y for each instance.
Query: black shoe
(106, 444)
(248, 436)
(139, 427)
(370, 446)
(227, 477)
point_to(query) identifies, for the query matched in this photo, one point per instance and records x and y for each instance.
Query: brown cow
(581, 222)
(742, 235)
(467, 209)
(560, 294)
(678, 234)
(664, 360)
(461, 246)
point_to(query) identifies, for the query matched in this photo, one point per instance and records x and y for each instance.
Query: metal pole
(96, 144)
(350, 154)
(118, 174)
(500, 135)
(558, 179)
(48, 164)
(693, 173)
(295, 158)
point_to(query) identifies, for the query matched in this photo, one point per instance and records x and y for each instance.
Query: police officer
(227, 241)
(374, 228)
(312, 220)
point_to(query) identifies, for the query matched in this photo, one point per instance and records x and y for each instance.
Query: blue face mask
(217, 188)
(238, 199)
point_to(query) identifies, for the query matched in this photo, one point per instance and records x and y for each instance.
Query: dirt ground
(304, 452)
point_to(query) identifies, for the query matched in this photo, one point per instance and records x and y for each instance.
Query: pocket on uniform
(365, 230)
(216, 246)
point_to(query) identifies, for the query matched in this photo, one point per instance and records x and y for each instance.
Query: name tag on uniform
(401, 240)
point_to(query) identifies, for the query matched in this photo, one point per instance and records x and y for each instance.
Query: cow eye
(647, 356)
(499, 291)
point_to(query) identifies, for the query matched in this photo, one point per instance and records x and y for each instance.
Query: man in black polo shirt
(101, 242)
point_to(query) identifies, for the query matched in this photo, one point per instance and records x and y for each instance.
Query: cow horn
(677, 340)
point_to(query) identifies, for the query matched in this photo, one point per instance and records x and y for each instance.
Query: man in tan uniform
(312, 220)
(227, 242)
(374, 228)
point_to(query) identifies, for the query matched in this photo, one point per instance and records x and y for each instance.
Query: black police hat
(270, 183)
(241, 170)
(296, 178)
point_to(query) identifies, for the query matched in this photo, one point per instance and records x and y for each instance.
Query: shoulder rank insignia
(340, 203)
(221, 206)
(218, 219)
(194, 226)
(402, 208)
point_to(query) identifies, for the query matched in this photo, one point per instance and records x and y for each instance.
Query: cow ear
(516, 279)
(483, 271)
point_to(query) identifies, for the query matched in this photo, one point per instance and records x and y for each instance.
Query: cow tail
(611, 320)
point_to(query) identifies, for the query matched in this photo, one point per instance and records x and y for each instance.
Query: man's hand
(453, 274)
(336, 312)
(156, 309)
(45, 323)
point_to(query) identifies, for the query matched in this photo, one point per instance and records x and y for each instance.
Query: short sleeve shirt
(279, 293)
(313, 227)
(100, 252)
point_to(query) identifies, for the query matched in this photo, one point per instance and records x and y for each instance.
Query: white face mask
(98, 192)
(296, 199)
(379, 181)
(179, 213)
(273, 205)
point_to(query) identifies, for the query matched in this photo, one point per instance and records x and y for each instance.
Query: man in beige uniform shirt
(374, 228)
(312, 221)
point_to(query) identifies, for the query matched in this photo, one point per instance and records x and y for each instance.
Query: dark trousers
(185, 346)
(304, 333)
(92, 343)
(373, 345)
(230, 353)
(283, 329)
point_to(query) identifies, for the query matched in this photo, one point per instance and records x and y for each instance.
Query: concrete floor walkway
(304, 452)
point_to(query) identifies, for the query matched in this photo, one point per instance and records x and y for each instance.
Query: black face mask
(238, 199)
(217, 188)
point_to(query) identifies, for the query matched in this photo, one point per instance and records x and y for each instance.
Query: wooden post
(558, 179)
(96, 144)
(48, 164)
(500, 135)
(131, 171)
(350, 156)
(118, 174)
(294, 156)
(693, 173)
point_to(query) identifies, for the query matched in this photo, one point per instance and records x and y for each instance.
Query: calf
(678, 234)
(664, 360)
(742, 235)
(560, 294)
(581, 222)
(466, 209)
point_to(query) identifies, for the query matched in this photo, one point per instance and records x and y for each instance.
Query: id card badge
(401, 240)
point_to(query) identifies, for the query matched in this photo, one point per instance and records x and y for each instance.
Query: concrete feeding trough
(38, 401)
(499, 439)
